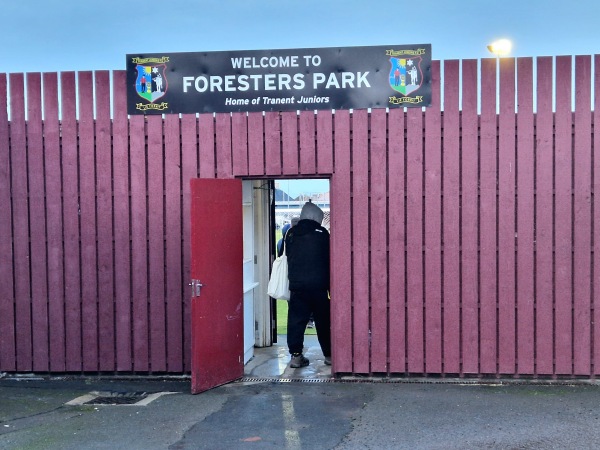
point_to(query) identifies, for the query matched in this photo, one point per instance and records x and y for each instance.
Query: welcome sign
(280, 80)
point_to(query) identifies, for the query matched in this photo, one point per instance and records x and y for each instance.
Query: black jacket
(307, 250)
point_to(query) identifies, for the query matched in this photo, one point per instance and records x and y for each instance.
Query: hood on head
(312, 212)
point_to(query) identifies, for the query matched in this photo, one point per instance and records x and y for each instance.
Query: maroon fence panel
(156, 256)
(360, 238)
(87, 206)
(104, 211)
(488, 285)
(20, 212)
(256, 152)
(324, 142)
(37, 220)
(139, 244)
(596, 220)
(189, 170)
(341, 251)
(582, 220)
(378, 242)
(224, 161)
(563, 164)
(544, 220)
(433, 229)
(525, 337)
(122, 264)
(469, 205)
(239, 143)
(7, 296)
(174, 281)
(451, 219)
(463, 236)
(71, 219)
(396, 240)
(414, 240)
(53, 170)
(272, 143)
(506, 220)
(306, 124)
(289, 142)
(206, 146)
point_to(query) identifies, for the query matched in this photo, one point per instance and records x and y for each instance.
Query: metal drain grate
(118, 398)
(457, 381)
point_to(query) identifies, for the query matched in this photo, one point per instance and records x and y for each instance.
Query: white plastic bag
(279, 283)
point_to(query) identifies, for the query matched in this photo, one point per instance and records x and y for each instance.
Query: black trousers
(301, 305)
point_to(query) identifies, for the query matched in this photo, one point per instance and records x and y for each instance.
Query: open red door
(217, 283)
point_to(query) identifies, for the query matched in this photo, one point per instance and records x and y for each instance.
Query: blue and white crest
(151, 82)
(406, 75)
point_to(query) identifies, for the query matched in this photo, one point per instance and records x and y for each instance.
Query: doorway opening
(289, 197)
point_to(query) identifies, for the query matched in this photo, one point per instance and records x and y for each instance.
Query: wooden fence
(464, 241)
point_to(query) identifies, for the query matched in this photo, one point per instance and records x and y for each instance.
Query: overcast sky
(52, 35)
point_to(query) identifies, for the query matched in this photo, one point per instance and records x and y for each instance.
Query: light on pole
(501, 47)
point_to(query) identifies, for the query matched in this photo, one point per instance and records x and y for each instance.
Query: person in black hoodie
(307, 249)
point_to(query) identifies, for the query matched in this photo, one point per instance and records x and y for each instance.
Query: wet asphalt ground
(299, 414)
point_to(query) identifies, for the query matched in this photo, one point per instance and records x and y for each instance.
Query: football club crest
(406, 75)
(151, 81)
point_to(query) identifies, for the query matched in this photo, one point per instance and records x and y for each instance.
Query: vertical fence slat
(71, 218)
(469, 220)
(544, 331)
(206, 143)
(596, 219)
(123, 318)
(256, 149)
(223, 145)
(239, 143)
(308, 163)
(450, 211)
(563, 164)
(487, 219)
(433, 227)
(87, 195)
(104, 208)
(506, 218)
(341, 252)
(582, 220)
(139, 243)
(189, 170)
(272, 143)
(156, 244)
(7, 297)
(20, 205)
(37, 220)
(173, 222)
(52, 159)
(360, 238)
(378, 242)
(414, 238)
(396, 240)
(324, 142)
(525, 219)
(289, 137)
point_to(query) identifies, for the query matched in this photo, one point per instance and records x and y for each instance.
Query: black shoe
(298, 360)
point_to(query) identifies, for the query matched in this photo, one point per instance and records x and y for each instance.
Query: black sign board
(279, 80)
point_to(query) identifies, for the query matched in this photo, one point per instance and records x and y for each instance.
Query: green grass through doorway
(282, 312)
